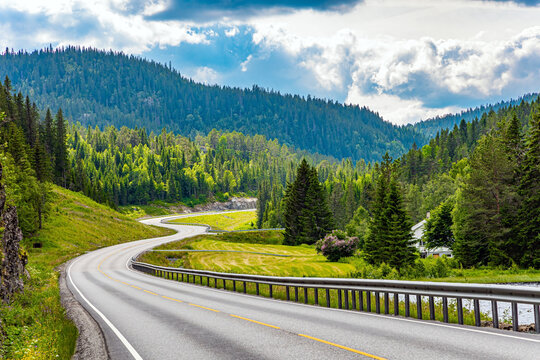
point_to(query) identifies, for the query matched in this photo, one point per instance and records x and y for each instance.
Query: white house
(418, 235)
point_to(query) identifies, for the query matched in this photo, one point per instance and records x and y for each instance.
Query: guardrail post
(460, 310)
(431, 308)
(316, 296)
(368, 301)
(495, 314)
(515, 318)
(234, 285)
(339, 298)
(407, 305)
(361, 300)
(396, 304)
(445, 309)
(287, 293)
(306, 295)
(386, 303)
(270, 290)
(182, 277)
(215, 282)
(377, 302)
(296, 293)
(353, 299)
(176, 276)
(187, 278)
(327, 297)
(257, 288)
(477, 321)
(346, 293)
(224, 285)
(208, 281)
(419, 306)
(537, 317)
(245, 288)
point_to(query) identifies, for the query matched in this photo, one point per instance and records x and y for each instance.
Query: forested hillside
(105, 88)
(430, 127)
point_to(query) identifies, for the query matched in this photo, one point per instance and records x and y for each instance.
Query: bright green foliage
(359, 225)
(438, 228)
(307, 217)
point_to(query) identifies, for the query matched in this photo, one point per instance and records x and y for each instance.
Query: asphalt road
(145, 317)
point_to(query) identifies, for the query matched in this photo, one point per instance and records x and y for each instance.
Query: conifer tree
(306, 215)
(529, 189)
(60, 150)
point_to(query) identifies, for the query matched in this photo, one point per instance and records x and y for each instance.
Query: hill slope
(430, 127)
(106, 88)
(35, 325)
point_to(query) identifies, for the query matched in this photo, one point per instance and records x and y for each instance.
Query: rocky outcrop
(12, 267)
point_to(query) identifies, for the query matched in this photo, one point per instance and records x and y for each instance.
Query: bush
(337, 245)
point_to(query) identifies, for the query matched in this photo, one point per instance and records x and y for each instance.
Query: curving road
(144, 317)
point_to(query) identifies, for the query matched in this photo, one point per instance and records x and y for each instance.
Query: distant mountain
(430, 127)
(107, 88)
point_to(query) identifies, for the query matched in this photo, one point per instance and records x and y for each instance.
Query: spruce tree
(399, 248)
(306, 214)
(528, 223)
(60, 150)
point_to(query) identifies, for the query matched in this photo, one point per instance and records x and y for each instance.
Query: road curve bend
(144, 317)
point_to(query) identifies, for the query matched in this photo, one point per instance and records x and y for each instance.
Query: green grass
(301, 260)
(240, 220)
(34, 323)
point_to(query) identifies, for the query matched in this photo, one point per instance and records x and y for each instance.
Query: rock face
(13, 262)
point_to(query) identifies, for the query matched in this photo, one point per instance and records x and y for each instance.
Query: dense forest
(106, 88)
(430, 127)
(480, 181)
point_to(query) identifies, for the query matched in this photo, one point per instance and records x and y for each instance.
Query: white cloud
(100, 23)
(205, 75)
(244, 64)
(411, 60)
(232, 32)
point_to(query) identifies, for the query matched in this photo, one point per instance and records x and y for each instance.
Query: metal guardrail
(362, 292)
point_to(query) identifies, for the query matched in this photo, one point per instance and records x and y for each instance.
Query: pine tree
(529, 188)
(399, 241)
(306, 214)
(60, 150)
(375, 243)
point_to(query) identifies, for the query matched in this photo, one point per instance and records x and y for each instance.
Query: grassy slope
(35, 323)
(302, 260)
(241, 220)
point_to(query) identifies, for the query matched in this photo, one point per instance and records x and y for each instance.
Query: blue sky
(406, 59)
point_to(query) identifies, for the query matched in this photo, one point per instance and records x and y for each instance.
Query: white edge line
(124, 341)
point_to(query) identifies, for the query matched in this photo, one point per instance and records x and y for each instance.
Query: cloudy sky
(407, 59)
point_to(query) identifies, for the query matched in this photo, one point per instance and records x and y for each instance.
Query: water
(525, 311)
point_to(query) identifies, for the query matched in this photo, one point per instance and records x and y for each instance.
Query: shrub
(337, 245)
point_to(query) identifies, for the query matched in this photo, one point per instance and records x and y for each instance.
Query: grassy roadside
(240, 220)
(34, 322)
(304, 261)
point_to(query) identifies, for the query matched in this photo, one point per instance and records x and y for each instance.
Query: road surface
(144, 317)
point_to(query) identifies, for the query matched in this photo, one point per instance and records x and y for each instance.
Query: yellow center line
(255, 321)
(342, 347)
(152, 293)
(202, 307)
(172, 299)
(135, 287)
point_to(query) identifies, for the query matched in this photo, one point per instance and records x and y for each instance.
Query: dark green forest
(107, 88)
(430, 127)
